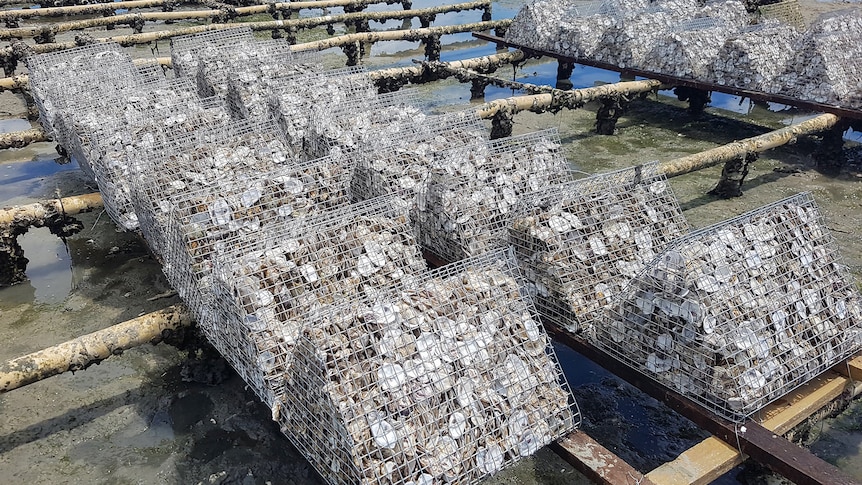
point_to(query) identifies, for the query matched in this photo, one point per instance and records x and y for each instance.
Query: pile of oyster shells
(264, 58)
(760, 53)
(740, 313)
(188, 51)
(445, 380)
(579, 243)
(676, 38)
(282, 279)
(467, 205)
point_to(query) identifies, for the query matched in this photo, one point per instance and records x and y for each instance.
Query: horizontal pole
(84, 351)
(35, 213)
(20, 139)
(305, 23)
(757, 144)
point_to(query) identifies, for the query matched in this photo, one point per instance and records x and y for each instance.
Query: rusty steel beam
(783, 457)
(596, 462)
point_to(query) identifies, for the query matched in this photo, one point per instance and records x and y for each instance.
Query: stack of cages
(471, 195)
(209, 160)
(267, 288)
(626, 43)
(755, 57)
(214, 72)
(207, 220)
(299, 102)
(62, 79)
(250, 88)
(537, 24)
(113, 134)
(447, 379)
(690, 49)
(579, 243)
(365, 123)
(736, 315)
(187, 51)
(787, 12)
(818, 72)
(584, 24)
(402, 167)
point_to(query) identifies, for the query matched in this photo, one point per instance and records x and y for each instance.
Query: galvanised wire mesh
(269, 287)
(472, 192)
(579, 243)
(367, 122)
(846, 20)
(303, 100)
(215, 71)
(537, 24)
(582, 27)
(732, 12)
(753, 58)
(787, 12)
(204, 159)
(447, 379)
(188, 50)
(817, 71)
(626, 43)
(401, 168)
(689, 49)
(238, 210)
(737, 315)
(249, 90)
(60, 80)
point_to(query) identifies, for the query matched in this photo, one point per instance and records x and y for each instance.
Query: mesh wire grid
(731, 12)
(205, 159)
(401, 167)
(187, 50)
(580, 33)
(580, 242)
(59, 80)
(846, 20)
(219, 65)
(467, 205)
(366, 122)
(736, 315)
(240, 209)
(753, 58)
(267, 288)
(449, 379)
(817, 71)
(249, 90)
(627, 42)
(787, 12)
(303, 100)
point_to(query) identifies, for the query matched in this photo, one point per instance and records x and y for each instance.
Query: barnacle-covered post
(830, 155)
(609, 113)
(697, 98)
(19, 139)
(564, 73)
(733, 175)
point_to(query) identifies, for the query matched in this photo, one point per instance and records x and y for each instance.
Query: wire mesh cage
(690, 48)
(736, 315)
(401, 167)
(249, 90)
(732, 12)
(205, 159)
(845, 20)
(266, 288)
(303, 100)
(626, 43)
(580, 242)
(537, 24)
(188, 50)
(449, 379)
(59, 80)
(753, 58)
(787, 12)
(817, 71)
(467, 205)
(215, 69)
(367, 122)
(582, 27)
(238, 210)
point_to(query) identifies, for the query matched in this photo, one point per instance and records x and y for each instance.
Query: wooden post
(20, 139)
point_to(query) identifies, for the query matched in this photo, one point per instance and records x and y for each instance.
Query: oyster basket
(215, 70)
(471, 195)
(787, 12)
(582, 27)
(817, 72)
(210, 219)
(737, 315)
(449, 378)
(628, 41)
(249, 90)
(753, 58)
(732, 12)
(59, 80)
(207, 159)
(188, 50)
(689, 49)
(267, 288)
(401, 168)
(365, 122)
(579, 243)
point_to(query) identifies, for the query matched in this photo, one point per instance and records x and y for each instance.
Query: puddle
(50, 267)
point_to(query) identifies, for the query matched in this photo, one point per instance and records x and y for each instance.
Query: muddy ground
(158, 414)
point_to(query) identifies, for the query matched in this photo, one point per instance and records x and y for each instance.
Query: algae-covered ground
(157, 414)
